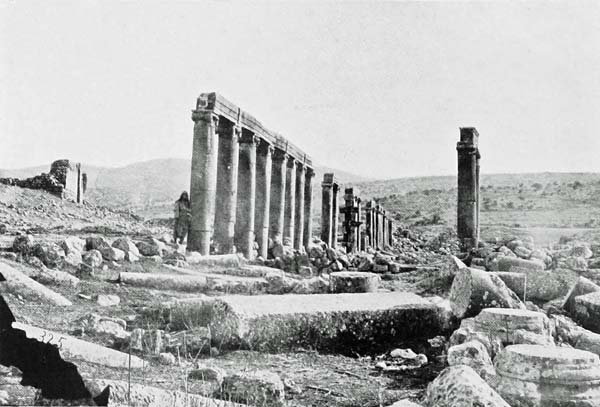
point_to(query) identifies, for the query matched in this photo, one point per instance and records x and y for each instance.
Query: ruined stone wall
(64, 180)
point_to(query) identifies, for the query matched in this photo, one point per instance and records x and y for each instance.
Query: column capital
(207, 116)
(292, 162)
(248, 137)
(280, 155)
(310, 172)
(266, 147)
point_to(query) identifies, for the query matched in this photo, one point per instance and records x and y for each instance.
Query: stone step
(540, 376)
(329, 322)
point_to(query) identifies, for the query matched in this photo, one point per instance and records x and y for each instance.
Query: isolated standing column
(246, 197)
(468, 188)
(263, 196)
(391, 232)
(336, 216)
(290, 201)
(203, 180)
(299, 220)
(278, 182)
(308, 191)
(227, 181)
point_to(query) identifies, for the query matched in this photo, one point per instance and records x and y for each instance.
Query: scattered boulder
(112, 254)
(49, 253)
(474, 354)
(127, 246)
(3, 228)
(166, 358)
(255, 387)
(107, 300)
(353, 282)
(581, 287)
(95, 324)
(587, 311)
(507, 263)
(473, 290)
(92, 258)
(151, 247)
(581, 250)
(73, 244)
(22, 244)
(96, 243)
(208, 373)
(461, 386)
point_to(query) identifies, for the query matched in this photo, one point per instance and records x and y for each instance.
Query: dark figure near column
(183, 217)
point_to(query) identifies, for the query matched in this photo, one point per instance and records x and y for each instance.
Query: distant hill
(150, 187)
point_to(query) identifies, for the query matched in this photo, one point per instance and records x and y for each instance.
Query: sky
(379, 89)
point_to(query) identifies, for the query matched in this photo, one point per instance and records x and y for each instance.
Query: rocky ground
(125, 283)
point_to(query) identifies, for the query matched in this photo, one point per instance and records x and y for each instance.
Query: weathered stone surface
(581, 251)
(107, 300)
(517, 282)
(327, 322)
(507, 263)
(166, 358)
(73, 244)
(461, 386)
(208, 373)
(122, 394)
(539, 376)
(473, 290)
(353, 282)
(96, 243)
(581, 287)
(54, 277)
(150, 247)
(19, 284)
(127, 246)
(405, 403)
(587, 311)
(255, 387)
(503, 322)
(187, 283)
(22, 244)
(76, 349)
(94, 324)
(474, 354)
(545, 286)
(92, 258)
(112, 254)
(73, 258)
(49, 253)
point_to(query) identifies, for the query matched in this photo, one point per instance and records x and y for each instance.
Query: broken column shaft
(328, 212)
(468, 188)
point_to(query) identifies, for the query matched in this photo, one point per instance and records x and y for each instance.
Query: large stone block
(587, 311)
(539, 376)
(331, 322)
(508, 263)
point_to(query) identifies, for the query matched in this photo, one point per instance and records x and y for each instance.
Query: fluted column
(468, 188)
(246, 197)
(290, 201)
(263, 196)
(308, 191)
(203, 180)
(278, 183)
(299, 215)
(227, 181)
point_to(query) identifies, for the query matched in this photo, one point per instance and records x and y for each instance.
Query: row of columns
(468, 188)
(244, 191)
(378, 226)
(362, 227)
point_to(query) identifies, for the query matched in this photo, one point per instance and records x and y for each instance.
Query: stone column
(290, 201)
(383, 229)
(263, 196)
(468, 185)
(358, 226)
(278, 183)
(227, 181)
(299, 220)
(327, 208)
(203, 180)
(246, 197)
(335, 217)
(377, 226)
(369, 223)
(391, 232)
(308, 191)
